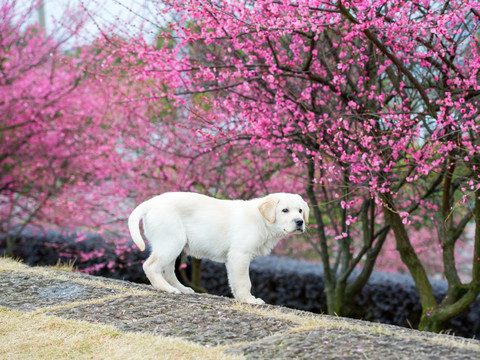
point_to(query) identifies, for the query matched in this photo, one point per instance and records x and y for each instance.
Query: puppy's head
(288, 212)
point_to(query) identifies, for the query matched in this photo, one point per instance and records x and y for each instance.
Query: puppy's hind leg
(153, 268)
(172, 279)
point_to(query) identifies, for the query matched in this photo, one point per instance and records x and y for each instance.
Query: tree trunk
(430, 323)
(328, 277)
(197, 275)
(195, 282)
(411, 260)
(10, 245)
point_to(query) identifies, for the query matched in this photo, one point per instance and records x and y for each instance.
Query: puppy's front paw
(173, 290)
(254, 301)
(187, 290)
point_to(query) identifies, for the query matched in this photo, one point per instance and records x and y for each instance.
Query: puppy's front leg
(239, 278)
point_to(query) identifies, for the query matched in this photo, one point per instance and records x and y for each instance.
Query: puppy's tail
(134, 224)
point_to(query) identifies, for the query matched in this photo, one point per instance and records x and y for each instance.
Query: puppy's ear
(267, 208)
(306, 213)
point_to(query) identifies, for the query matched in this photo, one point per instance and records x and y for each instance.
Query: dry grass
(9, 264)
(25, 336)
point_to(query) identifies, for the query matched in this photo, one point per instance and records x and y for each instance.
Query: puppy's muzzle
(299, 224)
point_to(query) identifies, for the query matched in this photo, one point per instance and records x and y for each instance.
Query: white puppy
(229, 231)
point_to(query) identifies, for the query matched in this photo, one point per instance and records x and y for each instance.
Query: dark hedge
(387, 298)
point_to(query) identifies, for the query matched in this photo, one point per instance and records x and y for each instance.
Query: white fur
(230, 231)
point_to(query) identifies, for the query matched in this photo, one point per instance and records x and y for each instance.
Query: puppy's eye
(300, 211)
(285, 210)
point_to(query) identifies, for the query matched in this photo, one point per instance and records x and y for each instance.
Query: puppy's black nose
(299, 222)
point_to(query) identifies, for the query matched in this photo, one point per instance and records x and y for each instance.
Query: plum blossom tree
(38, 91)
(60, 138)
(375, 102)
(78, 136)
